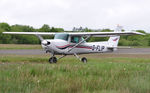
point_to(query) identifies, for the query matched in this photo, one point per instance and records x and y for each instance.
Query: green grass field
(102, 74)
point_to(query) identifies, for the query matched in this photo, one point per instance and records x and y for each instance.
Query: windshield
(61, 36)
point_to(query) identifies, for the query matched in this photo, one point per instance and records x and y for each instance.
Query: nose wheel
(53, 60)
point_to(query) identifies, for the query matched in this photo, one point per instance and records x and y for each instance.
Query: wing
(104, 34)
(93, 34)
(30, 33)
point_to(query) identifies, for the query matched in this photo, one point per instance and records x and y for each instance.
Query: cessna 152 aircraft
(73, 43)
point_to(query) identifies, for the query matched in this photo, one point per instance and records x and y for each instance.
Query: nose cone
(45, 42)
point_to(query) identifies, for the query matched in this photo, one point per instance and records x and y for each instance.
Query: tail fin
(114, 40)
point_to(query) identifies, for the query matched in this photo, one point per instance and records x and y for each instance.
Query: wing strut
(79, 43)
(40, 37)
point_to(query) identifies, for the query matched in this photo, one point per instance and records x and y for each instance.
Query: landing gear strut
(83, 59)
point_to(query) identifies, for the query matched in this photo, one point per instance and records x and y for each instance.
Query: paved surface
(40, 51)
(133, 51)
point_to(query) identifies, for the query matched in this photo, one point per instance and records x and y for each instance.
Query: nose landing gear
(53, 60)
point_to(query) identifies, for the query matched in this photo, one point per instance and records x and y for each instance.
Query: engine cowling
(45, 42)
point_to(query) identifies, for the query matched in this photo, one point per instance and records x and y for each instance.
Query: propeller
(43, 42)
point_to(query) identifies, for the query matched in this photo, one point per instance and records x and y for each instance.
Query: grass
(106, 74)
(19, 46)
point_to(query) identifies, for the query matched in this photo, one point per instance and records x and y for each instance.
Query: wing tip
(138, 33)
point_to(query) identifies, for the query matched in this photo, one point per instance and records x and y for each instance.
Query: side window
(75, 39)
(83, 39)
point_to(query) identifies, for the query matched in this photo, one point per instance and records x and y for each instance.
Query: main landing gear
(83, 59)
(53, 59)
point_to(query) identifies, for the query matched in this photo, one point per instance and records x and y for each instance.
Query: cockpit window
(61, 36)
(75, 39)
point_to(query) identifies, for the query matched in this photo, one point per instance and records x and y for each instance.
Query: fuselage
(66, 44)
(58, 46)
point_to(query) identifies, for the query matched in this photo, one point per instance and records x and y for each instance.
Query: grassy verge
(33, 74)
(19, 46)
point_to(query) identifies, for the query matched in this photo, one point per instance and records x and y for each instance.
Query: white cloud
(132, 14)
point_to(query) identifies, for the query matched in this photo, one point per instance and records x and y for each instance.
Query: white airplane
(70, 43)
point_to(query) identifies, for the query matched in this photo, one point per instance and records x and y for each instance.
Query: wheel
(53, 60)
(84, 60)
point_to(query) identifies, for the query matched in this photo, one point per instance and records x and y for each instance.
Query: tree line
(137, 40)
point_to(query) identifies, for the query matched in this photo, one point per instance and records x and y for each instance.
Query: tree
(59, 29)
(106, 30)
(21, 28)
(141, 31)
(5, 26)
(45, 28)
(5, 39)
(53, 29)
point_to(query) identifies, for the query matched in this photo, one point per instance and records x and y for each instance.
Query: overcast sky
(95, 14)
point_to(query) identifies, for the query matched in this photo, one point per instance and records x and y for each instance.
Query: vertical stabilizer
(114, 40)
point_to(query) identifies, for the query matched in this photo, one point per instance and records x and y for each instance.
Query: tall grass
(32, 74)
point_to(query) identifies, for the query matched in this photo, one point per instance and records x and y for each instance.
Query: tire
(84, 60)
(53, 60)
